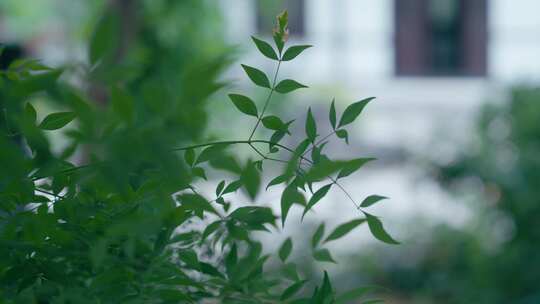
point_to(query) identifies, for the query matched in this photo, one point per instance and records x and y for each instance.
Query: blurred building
(431, 63)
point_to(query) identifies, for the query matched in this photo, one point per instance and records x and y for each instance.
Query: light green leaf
(315, 198)
(57, 120)
(104, 40)
(288, 85)
(372, 199)
(244, 104)
(317, 236)
(311, 126)
(343, 229)
(265, 48)
(257, 76)
(292, 290)
(285, 249)
(377, 229)
(323, 255)
(352, 111)
(294, 51)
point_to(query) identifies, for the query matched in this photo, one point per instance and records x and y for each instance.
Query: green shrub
(130, 225)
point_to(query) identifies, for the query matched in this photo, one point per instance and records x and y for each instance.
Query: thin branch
(267, 101)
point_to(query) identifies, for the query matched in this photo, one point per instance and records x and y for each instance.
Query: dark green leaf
(244, 104)
(377, 229)
(323, 255)
(251, 179)
(288, 85)
(290, 272)
(257, 76)
(30, 114)
(353, 294)
(352, 166)
(332, 114)
(210, 270)
(372, 199)
(189, 156)
(343, 134)
(352, 111)
(278, 180)
(315, 198)
(311, 126)
(220, 187)
(210, 229)
(199, 172)
(211, 152)
(317, 236)
(232, 187)
(122, 104)
(325, 294)
(273, 123)
(57, 120)
(289, 196)
(285, 249)
(294, 51)
(265, 48)
(292, 290)
(105, 38)
(343, 229)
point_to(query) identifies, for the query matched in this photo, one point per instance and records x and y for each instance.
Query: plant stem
(267, 101)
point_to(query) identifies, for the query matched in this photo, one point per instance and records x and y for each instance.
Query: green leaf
(210, 270)
(211, 152)
(196, 203)
(30, 114)
(257, 76)
(265, 48)
(317, 236)
(372, 199)
(104, 40)
(289, 196)
(343, 134)
(251, 179)
(288, 85)
(323, 255)
(290, 272)
(315, 198)
(377, 229)
(343, 229)
(324, 295)
(292, 290)
(352, 111)
(220, 187)
(278, 180)
(273, 123)
(57, 120)
(122, 104)
(332, 114)
(294, 51)
(244, 104)
(353, 294)
(352, 166)
(232, 187)
(311, 126)
(285, 249)
(199, 172)
(211, 229)
(189, 156)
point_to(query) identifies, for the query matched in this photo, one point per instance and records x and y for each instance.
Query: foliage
(130, 225)
(495, 258)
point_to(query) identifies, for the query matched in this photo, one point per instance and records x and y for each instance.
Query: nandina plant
(130, 225)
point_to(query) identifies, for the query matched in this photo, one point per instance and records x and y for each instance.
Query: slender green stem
(319, 142)
(267, 101)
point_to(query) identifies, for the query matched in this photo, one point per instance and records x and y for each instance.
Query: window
(268, 9)
(440, 37)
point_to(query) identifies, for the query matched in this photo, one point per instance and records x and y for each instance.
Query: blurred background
(455, 125)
